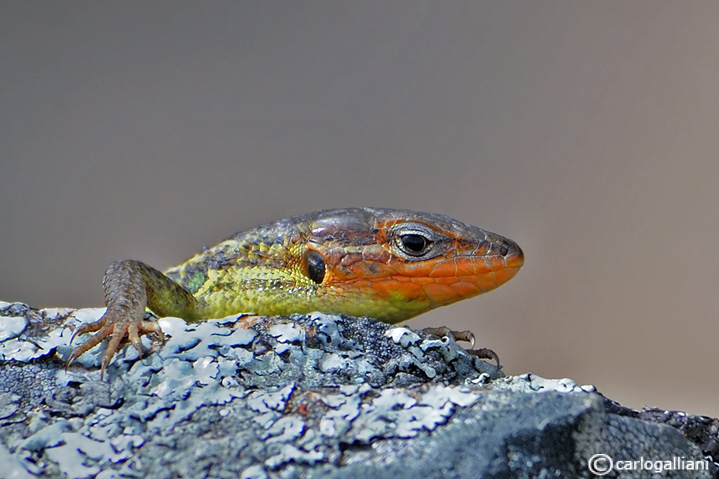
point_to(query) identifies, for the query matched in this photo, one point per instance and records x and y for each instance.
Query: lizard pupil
(414, 244)
(315, 266)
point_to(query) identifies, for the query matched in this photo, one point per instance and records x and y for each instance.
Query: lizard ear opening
(315, 265)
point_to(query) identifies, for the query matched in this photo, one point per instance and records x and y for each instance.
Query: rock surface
(316, 396)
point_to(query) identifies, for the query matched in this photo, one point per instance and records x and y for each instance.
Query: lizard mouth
(453, 279)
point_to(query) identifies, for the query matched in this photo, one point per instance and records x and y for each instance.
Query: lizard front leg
(131, 286)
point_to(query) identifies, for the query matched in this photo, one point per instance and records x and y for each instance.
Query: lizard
(389, 264)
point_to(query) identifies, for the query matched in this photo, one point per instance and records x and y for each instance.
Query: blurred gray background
(585, 131)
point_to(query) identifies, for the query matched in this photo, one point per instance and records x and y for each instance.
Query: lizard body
(388, 264)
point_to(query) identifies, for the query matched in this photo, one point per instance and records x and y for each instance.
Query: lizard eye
(414, 244)
(315, 266)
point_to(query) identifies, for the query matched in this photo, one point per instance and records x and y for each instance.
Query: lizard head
(396, 264)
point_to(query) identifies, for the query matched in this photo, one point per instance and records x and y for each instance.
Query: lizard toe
(485, 353)
(90, 327)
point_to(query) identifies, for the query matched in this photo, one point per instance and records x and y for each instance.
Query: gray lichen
(302, 396)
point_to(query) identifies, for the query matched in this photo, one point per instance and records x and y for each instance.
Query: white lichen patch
(332, 362)
(286, 332)
(85, 315)
(262, 402)
(398, 414)
(529, 382)
(76, 452)
(403, 336)
(11, 327)
(287, 428)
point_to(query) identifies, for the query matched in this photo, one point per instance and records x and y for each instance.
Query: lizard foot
(468, 336)
(120, 329)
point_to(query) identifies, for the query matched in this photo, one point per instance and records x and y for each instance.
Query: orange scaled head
(396, 264)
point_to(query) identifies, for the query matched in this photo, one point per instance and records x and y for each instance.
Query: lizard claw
(90, 328)
(468, 336)
(485, 353)
(444, 331)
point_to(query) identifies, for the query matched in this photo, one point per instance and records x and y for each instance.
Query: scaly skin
(388, 264)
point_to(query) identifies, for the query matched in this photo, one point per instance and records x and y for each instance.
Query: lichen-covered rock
(306, 396)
